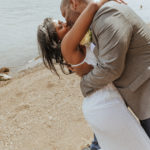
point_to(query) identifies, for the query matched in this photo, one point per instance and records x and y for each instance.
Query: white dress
(111, 121)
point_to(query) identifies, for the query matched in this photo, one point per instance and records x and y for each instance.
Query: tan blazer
(122, 49)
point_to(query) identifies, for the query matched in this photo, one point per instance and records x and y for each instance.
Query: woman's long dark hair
(49, 45)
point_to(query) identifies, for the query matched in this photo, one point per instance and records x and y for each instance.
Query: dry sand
(39, 111)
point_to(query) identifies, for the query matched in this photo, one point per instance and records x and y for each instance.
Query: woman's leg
(144, 123)
(114, 126)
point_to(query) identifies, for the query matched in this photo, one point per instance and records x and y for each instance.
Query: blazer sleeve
(113, 33)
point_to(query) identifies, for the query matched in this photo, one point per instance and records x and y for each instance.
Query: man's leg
(94, 145)
(146, 125)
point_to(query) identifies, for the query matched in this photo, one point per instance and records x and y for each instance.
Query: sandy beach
(39, 111)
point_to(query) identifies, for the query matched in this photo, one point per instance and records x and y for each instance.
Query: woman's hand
(120, 1)
(99, 3)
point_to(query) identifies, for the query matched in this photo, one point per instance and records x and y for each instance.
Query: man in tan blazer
(122, 49)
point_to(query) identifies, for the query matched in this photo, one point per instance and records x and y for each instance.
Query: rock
(4, 70)
(4, 77)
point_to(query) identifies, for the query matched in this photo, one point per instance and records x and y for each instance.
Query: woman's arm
(75, 35)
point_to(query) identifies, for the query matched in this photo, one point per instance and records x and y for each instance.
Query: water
(18, 27)
(143, 12)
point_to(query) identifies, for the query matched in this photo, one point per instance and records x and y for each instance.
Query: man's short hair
(64, 3)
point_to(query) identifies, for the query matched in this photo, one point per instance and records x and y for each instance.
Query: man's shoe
(86, 148)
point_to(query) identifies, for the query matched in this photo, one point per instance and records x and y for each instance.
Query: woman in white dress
(115, 127)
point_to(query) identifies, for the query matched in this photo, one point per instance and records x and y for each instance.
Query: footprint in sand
(18, 109)
(19, 94)
(22, 107)
(50, 85)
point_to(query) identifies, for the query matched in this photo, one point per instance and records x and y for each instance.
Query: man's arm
(113, 36)
(82, 69)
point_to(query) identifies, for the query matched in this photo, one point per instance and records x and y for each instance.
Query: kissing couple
(108, 45)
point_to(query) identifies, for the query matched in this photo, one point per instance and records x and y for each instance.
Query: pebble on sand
(3, 74)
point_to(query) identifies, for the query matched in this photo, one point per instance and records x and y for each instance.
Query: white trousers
(111, 121)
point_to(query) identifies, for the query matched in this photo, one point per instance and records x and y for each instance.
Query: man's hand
(82, 70)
